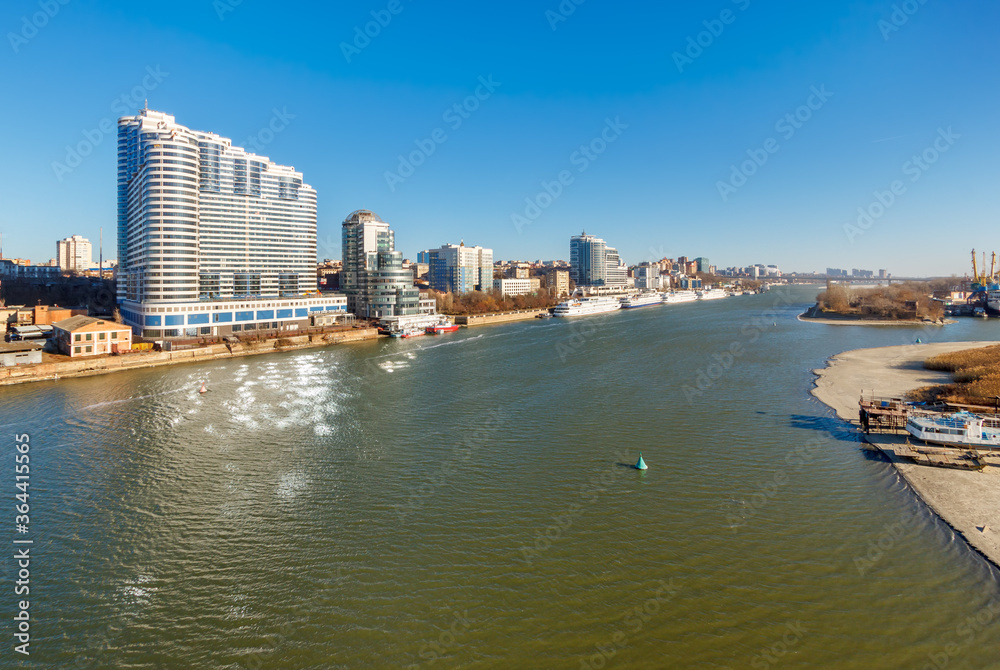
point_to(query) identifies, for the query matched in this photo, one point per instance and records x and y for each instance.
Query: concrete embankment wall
(503, 317)
(82, 367)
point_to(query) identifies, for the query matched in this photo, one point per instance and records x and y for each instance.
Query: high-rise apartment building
(374, 279)
(212, 239)
(647, 276)
(617, 271)
(460, 269)
(587, 260)
(558, 283)
(74, 254)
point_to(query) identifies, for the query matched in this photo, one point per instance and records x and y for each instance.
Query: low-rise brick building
(88, 336)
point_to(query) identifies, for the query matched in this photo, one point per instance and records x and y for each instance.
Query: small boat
(544, 315)
(413, 332)
(443, 327)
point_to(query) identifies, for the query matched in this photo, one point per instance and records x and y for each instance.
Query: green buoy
(641, 465)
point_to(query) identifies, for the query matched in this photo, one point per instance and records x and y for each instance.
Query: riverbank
(967, 501)
(845, 320)
(86, 367)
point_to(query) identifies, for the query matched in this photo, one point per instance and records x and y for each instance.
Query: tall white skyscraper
(587, 260)
(202, 222)
(74, 254)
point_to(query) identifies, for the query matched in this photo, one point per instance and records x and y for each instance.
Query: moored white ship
(961, 429)
(586, 306)
(642, 300)
(679, 296)
(712, 294)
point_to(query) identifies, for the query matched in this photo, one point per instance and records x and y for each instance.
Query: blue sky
(895, 78)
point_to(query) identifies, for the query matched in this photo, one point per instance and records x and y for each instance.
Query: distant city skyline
(700, 135)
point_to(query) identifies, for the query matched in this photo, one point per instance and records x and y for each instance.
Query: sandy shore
(968, 501)
(846, 321)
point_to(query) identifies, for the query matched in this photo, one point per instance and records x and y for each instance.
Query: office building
(460, 269)
(74, 254)
(512, 287)
(373, 278)
(212, 239)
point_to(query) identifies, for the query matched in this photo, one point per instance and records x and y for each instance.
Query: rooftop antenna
(100, 262)
(146, 105)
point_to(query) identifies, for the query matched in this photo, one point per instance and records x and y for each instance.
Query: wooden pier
(882, 415)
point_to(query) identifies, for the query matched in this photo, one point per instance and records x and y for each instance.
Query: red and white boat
(443, 327)
(412, 332)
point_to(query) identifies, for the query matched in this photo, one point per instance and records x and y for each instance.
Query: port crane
(984, 279)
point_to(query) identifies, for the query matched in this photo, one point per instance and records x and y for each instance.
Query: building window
(76, 350)
(90, 349)
(90, 337)
(114, 335)
(100, 336)
(76, 338)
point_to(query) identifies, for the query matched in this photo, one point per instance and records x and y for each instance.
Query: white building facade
(74, 254)
(206, 228)
(512, 287)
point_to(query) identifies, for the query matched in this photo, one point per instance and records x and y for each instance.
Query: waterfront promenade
(968, 501)
(99, 365)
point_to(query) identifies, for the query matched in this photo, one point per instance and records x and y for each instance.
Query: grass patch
(976, 374)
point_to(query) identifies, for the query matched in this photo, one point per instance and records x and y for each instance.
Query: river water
(463, 501)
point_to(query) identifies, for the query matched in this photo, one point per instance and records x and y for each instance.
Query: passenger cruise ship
(642, 300)
(712, 294)
(585, 306)
(961, 429)
(679, 296)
